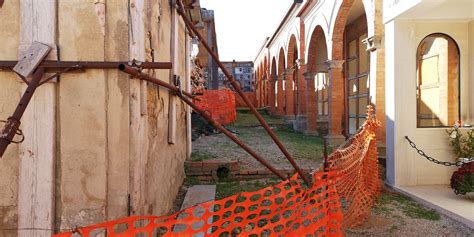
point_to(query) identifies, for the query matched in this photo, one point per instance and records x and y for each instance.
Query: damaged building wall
(95, 164)
(9, 96)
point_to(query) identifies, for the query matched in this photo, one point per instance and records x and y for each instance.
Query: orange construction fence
(285, 209)
(357, 163)
(220, 104)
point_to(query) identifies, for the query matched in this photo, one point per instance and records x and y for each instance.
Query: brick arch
(337, 97)
(339, 26)
(280, 96)
(273, 77)
(265, 82)
(317, 51)
(258, 85)
(316, 68)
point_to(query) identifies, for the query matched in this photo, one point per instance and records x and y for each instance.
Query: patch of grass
(190, 181)
(407, 205)
(247, 119)
(226, 189)
(393, 229)
(200, 156)
(303, 147)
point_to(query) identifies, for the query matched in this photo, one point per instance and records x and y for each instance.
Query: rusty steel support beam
(132, 71)
(61, 65)
(235, 85)
(137, 74)
(13, 122)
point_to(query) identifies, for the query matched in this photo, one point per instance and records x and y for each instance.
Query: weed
(226, 189)
(303, 147)
(200, 156)
(407, 205)
(393, 229)
(247, 119)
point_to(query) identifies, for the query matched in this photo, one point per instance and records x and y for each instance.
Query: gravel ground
(307, 150)
(219, 147)
(398, 215)
(393, 215)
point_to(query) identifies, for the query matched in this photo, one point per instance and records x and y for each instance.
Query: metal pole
(204, 114)
(60, 65)
(132, 71)
(13, 122)
(234, 84)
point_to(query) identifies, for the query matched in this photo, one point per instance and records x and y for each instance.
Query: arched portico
(317, 84)
(280, 106)
(348, 72)
(273, 82)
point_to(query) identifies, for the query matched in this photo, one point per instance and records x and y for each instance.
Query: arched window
(438, 99)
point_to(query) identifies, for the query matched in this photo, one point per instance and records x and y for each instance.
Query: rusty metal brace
(235, 85)
(12, 125)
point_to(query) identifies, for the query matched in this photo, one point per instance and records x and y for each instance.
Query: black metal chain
(445, 163)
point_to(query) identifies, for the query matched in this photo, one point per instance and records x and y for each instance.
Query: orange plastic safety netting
(220, 104)
(285, 209)
(357, 163)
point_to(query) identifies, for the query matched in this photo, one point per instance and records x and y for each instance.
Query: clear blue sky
(243, 25)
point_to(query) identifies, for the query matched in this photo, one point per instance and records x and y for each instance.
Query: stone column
(311, 104)
(301, 117)
(289, 101)
(271, 95)
(336, 102)
(280, 96)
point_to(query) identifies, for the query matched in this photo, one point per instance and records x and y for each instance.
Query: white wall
(471, 76)
(404, 165)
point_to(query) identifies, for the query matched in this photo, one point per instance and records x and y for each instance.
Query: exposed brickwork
(336, 101)
(290, 78)
(280, 96)
(312, 115)
(301, 80)
(380, 73)
(273, 78)
(207, 170)
(317, 56)
(304, 101)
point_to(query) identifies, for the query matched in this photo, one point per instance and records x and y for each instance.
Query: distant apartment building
(241, 71)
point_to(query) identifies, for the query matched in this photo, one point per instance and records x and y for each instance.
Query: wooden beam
(31, 58)
(36, 195)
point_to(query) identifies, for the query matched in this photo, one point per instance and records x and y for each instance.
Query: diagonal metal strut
(135, 73)
(234, 84)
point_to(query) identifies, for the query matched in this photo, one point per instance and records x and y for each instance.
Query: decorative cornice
(372, 43)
